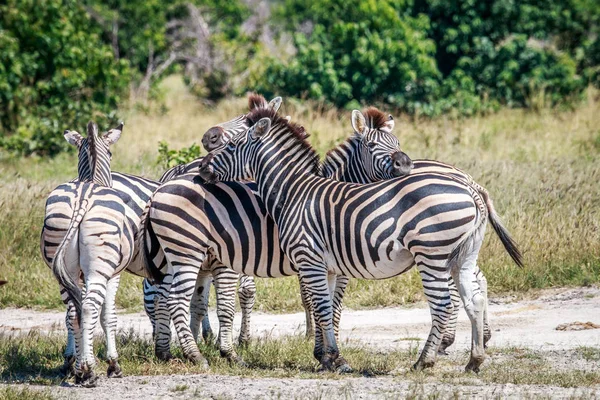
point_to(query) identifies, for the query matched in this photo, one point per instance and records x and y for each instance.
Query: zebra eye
(371, 145)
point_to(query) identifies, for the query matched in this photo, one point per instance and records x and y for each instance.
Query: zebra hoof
(421, 365)
(114, 370)
(163, 355)
(342, 366)
(474, 364)
(87, 379)
(442, 352)
(238, 361)
(68, 368)
(199, 360)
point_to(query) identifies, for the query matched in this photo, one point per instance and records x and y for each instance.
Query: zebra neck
(343, 163)
(279, 171)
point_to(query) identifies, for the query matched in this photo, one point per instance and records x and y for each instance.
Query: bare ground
(527, 324)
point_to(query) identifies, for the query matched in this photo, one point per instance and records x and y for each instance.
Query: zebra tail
(59, 267)
(507, 241)
(153, 272)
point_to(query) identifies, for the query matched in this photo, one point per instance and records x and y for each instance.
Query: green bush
(168, 158)
(55, 73)
(431, 57)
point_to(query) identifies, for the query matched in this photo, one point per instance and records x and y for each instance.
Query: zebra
(372, 231)
(355, 161)
(212, 138)
(187, 201)
(96, 246)
(134, 192)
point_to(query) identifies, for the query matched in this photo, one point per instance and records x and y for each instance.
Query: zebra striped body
(96, 246)
(371, 231)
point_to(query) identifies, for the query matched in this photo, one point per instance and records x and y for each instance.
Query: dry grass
(542, 171)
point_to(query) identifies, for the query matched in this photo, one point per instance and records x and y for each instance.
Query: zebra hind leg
(435, 287)
(308, 311)
(180, 296)
(450, 334)
(108, 320)
(472, 297)
(199, 305)
(149, 294)
(247, 296)
(482, 281)
(225, 281)
(68, 367)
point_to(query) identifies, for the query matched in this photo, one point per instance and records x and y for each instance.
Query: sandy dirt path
(525, 323)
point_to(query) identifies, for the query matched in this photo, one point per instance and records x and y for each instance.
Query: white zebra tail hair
(59, 267)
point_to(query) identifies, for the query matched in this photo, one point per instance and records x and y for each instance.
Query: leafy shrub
(55, 73)
(168, 158)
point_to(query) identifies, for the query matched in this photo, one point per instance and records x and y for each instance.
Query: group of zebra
(261, 204)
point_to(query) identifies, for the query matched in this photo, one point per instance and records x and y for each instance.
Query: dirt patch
(521, 330)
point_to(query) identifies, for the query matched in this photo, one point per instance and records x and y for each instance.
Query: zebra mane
(375, 118)
(256, 101)
(287, 127)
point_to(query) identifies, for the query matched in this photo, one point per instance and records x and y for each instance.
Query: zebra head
(94, 153)
(223, 132)
(269, 143)
(378, 150)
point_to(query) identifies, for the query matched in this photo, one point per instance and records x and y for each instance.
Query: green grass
(541, 169)
(36, 358)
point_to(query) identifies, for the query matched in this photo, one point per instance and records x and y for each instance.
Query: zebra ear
(359, 123)
(388, 126)
(275, 103)
(113, 135)
(261, 128)
(73, 137)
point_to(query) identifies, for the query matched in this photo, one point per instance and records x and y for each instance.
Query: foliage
(168, 158)
(55, 73)
(363, 50)
(431, 57)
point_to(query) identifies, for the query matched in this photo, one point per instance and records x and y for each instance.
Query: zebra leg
(68, 367)
(180, 296)
(162, 321)
(338, 296)
(482, 281)
(310, 321)
(149, 294)
(199, 305)
(70, 354)
(450, 334)
(108, 320)
(225, 281)
(91, 304)
(435, 287)
(473, 299)
(247, 296)
(316, 282)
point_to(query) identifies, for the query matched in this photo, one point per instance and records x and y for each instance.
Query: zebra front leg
(225, 281)
(435, 287)
(316, 283)
(162, 319)
(180, 296)
(199, 304)
(108, 320)
(473, 299)
(450, 333)
(247, 296)
(338, 296)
